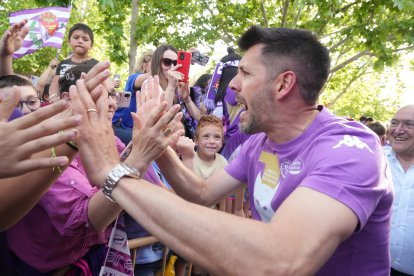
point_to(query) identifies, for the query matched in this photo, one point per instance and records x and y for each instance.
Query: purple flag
(47, 27)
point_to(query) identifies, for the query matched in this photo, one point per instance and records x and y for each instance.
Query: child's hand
(185, 147)
(12, 39)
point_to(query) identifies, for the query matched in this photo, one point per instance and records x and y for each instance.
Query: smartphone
(184, 58)
(123, 99)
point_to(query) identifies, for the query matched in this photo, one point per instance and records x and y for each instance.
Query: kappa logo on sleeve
(352, 141)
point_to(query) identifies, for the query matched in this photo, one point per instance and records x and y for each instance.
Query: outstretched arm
(46, 76)
(298, 240)
(27, 162)
(10, 42)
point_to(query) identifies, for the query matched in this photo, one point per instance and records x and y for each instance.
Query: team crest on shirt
(291, 167)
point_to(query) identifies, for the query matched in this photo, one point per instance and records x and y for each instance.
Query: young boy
(81, 41)
(209, 137)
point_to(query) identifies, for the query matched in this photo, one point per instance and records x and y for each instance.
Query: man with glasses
(401, 160)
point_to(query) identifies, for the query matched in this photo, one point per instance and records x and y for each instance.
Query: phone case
(124, 99)
(184, 58)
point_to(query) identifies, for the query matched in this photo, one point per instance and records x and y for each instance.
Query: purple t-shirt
(339, 158)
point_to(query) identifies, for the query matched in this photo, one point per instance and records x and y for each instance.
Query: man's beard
(260, 105)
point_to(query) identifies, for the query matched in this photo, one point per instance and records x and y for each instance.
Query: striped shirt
(402, 220)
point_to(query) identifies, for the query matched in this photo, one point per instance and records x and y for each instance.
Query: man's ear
(65, 95)
(284, 83)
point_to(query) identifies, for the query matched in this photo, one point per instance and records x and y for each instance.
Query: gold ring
(167, 130)
(91, 110)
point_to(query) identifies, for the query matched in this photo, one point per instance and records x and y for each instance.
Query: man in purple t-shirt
(318, 186)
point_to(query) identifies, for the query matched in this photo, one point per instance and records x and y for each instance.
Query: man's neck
(287, 131)
(406, 161)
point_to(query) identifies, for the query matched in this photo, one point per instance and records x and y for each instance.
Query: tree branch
(264, 14)
(348, 85)
(338, 44)
(295, 21)
(352, 59)
(285, 11)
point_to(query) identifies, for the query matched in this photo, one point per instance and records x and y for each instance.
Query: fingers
(176, 67)
(155, 114)
(47, 142)
(97, 75)
(41, 163)
(9, 98)
(171, 117)
(85, 97)
(156, 89)
(40, 115)
(49, 127)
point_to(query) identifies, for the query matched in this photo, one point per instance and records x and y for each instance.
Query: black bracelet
(72, 145)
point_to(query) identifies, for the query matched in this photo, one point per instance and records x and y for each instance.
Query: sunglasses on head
(168, 61)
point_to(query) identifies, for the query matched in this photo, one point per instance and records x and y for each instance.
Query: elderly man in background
(400, 157)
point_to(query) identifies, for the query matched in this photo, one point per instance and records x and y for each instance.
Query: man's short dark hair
(82, 27)
(292, 50)
(11, 80)
(71, 76)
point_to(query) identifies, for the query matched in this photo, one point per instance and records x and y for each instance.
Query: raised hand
(185, 147)
(174, 76)
(184, 91)
(32, 133)
(96, 139)
(12, 39)
(154, 125)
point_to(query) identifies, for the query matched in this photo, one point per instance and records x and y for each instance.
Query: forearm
(6, 65)
(169, 95)
(238, 203)
(184, 182)
(186, 228)
(101, 211)
(21, 193)
(139, 80)
(54, 88)
(43, 80)
(192, 109)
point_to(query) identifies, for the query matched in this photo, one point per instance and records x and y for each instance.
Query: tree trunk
(132, 55)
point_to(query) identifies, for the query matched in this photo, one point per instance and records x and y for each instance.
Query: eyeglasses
(32, 103)
(408, 124)
(167, 62)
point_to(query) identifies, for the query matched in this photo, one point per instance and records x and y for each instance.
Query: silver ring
(91, 110)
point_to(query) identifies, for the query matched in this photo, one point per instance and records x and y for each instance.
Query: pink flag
(47, 27)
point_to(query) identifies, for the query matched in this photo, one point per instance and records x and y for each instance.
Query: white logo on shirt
(352, 141)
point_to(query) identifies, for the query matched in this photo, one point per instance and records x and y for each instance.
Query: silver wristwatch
(115, 175)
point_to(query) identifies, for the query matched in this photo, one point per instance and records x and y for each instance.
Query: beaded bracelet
(55, 169)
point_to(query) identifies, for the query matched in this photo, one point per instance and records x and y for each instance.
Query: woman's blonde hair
(144, 58)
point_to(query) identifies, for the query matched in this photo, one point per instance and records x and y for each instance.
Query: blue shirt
(125, 113)
(402, 220)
